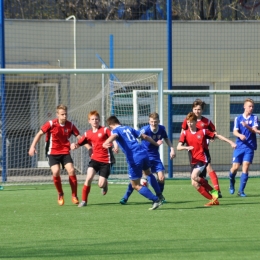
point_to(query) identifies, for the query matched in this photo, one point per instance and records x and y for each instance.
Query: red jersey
(203, 123)
(96, 140)
(196, 139)
(57, 136)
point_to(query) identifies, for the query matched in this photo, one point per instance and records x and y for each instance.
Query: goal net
(222, 106)
(29, 99)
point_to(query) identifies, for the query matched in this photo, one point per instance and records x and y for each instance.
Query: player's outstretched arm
(36, 139)
(150, 140)
(181, 147)
(169, 143)
(222, 138)
(109, 141)
(237, 134)
(115, 147)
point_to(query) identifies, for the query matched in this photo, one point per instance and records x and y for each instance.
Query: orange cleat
(75, 200)
(213, 202)
(61, 199)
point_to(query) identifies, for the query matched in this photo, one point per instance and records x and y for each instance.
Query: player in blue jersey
(156, 132)
(136, 156)
(245, 129)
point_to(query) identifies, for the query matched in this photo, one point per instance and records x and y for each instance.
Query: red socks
(85, 192)
(205, 184)
(202, 190)
(73, 185)
(214, 179)
(57, 183)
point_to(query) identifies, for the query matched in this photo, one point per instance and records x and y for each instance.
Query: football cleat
(213, 202)
(156, 204)
(61, 199)
(75, 200)
(123, 201)
(231, 190)
(219, 194)
(82, 204)
(241, 194)
(161, 197)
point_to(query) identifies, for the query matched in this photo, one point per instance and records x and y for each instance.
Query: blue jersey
(153, 151)
(250, 141)
(127, 141)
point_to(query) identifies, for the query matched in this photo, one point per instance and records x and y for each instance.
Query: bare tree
(133, 9)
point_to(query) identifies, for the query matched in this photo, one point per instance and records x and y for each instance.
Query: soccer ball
(144, 182)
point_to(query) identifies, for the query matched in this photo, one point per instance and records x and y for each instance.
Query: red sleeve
(184, 125)
(107, 131)
(46, 127)
(75, 130)
(182, 137)
(83, 140)
(209, 134)
(211, 126)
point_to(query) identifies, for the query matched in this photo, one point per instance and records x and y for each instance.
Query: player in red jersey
(204, 123)
(102, 159)
(58, 132)
(194, 139)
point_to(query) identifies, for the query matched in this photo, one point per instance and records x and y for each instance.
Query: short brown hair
(61, 106)
(113, 120)
(249, 100)
(154, 115)
(191, 117)
(93, 113)
(199, 102)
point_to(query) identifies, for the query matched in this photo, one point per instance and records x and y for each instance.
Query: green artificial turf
(33, 226)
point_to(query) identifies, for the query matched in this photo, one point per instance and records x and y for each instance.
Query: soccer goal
(29, 99)
(222, 106)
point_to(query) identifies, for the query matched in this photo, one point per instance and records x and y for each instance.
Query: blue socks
(129, 191)
(243, 181)
(147, 194)
(232, 177)
(152, 180)
(161, 185)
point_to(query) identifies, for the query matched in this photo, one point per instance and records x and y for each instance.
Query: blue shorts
(243, 155)
(156, 165)
(135, 169)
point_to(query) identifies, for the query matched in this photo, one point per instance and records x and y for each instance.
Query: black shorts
(102, 168)
(208, 155)
(204, 173)
(198, 165)
(62, 159)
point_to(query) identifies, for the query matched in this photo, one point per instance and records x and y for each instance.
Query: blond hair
(61, 106)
